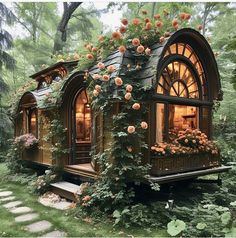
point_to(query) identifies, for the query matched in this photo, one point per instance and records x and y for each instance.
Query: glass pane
(83, 118)
(180, 48)
(33, 120)
(159, 122)
(182, 117)
(173, 49)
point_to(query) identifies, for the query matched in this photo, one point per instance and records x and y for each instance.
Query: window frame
(200, 103)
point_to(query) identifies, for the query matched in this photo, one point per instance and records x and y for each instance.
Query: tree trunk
(61, 34)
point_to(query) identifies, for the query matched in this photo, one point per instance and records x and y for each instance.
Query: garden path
(30, 220)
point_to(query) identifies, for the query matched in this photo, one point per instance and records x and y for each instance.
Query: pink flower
(131, 129)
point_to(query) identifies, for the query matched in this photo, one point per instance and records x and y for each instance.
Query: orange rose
(148, 51)
(130, 149)
(76, 56)
(148, 26)
(182, 16)
(106, 77)
(136, 22)
(89, 57)
(157, 16)
(116, 35)
(128, 96)
(174, 23)
(187, 16)
(135, 42)
(162, 39)
(136, 106)
(158, 24)
(144, 125)
(86, 198)
(100, 38)
(118, 81)
(95, 93)
(88, 47)
(131, 129)
(140, 49)
(96, 76)
(122, 49)
(124, 21)
(98, 88)
(122, 29)
(111, 68)
(101, 65)
(129, 88)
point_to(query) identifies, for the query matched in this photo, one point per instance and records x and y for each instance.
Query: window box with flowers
(188, 150)
(27, 144)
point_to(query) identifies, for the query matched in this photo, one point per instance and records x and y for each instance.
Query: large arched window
(181, 92)
(83, 118)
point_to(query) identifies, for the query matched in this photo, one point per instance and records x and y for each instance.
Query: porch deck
(85, 170)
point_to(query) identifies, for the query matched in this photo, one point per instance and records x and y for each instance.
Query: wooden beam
(188, 175)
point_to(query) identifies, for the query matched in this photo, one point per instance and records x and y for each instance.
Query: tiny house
(184, 81)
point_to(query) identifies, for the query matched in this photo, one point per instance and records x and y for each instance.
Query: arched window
(83, 118)
(186, 52)
(177, 79)
(181, 92)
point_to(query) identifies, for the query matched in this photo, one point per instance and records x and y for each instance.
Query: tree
(61, 34)
(6, 16)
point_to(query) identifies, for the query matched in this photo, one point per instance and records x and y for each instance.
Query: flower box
(164, 165)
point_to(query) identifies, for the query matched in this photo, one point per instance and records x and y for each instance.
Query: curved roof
(150, 72)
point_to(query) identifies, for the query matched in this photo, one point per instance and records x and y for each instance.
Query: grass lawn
(61, 220)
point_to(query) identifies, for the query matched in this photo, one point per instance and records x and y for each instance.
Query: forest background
(34, 35)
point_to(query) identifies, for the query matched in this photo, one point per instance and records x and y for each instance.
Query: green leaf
(225, 218)
(121, 134)
(231, 233)
(201, 226)
(175, 227)
(222, 209)
(233, 204)
(116, 214)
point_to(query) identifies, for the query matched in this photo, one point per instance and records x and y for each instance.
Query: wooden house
(185, 78)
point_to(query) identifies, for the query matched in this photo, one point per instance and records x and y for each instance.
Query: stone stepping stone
(39, 226)
(5, 193)
(19, 210)
(55, 234)
(12, 204)
(27, 217)
(7, 199)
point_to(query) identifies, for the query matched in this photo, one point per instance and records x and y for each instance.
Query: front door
(81, 128)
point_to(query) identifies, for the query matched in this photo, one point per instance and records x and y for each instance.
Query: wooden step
(84, 170)
(66, 190)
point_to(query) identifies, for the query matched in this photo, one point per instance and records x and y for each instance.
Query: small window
(83, 118)
(33, 122)
(160, 122)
